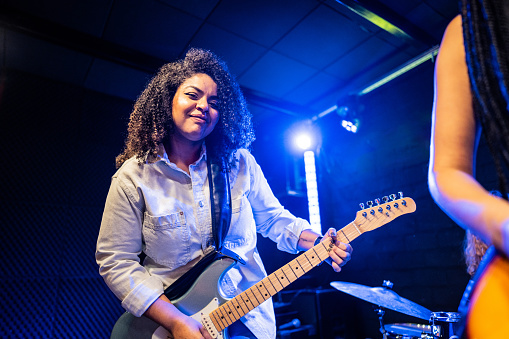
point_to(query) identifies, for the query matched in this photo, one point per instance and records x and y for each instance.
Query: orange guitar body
(488, 314)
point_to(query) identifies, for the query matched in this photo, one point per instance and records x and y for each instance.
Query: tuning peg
(370, 203)
(400, 194)
(387, 284)
(361, 205)
(377, 201)
(385, 199)
(392, 197)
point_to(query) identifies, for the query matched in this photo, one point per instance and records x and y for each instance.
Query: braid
(486, 57)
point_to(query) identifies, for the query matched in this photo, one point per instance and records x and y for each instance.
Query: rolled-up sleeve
(118, 246)
(271, 218)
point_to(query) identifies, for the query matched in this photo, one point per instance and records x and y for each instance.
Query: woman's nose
(203, 105)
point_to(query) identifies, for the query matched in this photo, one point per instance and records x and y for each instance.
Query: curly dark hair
(151, 119)
(473, 251)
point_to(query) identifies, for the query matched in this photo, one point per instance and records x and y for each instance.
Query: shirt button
(200, 203)
(181, 213)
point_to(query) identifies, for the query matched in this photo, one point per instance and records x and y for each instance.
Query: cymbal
(383, 297)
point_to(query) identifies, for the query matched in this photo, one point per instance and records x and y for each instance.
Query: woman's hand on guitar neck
(340, 254)
(180, 325)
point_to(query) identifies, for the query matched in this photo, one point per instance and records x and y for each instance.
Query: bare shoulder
(453, 37)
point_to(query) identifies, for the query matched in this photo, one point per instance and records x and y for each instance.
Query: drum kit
(441, 324)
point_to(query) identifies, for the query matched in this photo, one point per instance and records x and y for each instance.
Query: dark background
(62, 125)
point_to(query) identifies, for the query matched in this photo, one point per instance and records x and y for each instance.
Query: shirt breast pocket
(242, 228)
(167, 239)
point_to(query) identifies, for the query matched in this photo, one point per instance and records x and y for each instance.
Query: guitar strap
(220, 200)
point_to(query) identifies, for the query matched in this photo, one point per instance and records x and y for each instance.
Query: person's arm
(340, 254)
(453, 143)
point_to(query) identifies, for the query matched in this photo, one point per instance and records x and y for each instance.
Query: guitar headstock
(381, 212)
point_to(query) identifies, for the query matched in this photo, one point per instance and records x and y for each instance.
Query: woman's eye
(214, 104)
(192, 95)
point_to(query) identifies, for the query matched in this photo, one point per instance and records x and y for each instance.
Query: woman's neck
(181, 153)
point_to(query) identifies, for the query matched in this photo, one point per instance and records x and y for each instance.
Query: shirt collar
(163, 156)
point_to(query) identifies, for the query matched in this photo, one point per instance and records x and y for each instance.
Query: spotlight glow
(303, 141)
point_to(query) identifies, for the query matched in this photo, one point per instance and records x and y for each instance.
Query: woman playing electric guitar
(190, 130)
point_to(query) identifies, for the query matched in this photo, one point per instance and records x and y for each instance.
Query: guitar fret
(269, 291)
(214, 320)
(308, 261)
(296, 268)
(280, 280)
(226, 315)
(305, 255)
(317, 250)
(303, 269)
(304, 263)
(295, 271)
(273, 275)
(231, 316)
(217, 319)
(288, 270)
(246, 300)
(254, 295)
(242, 304)
(313, 261)
(238, 308)
(260, 293)
(268, 279)
(234, 312)
(346, 237)
(287, 282)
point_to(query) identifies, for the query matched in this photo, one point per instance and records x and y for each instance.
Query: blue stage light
(303, 141)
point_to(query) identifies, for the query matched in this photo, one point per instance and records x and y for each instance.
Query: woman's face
(195, 108)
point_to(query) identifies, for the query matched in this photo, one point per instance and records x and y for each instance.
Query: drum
(408, 331)
(445, 324)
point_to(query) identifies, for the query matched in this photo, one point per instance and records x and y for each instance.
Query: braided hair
(485, 29)
(151, 119)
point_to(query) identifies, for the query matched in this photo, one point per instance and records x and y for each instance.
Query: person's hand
(340, 254)
(187, 328)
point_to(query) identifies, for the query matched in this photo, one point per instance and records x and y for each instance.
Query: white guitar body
(196, 302)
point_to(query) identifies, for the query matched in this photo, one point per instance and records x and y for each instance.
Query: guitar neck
(234, 309)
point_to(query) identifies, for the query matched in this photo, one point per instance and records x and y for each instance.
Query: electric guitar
(488, 310)
(204, 302)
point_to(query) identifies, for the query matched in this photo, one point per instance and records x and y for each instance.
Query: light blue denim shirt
(157, 208)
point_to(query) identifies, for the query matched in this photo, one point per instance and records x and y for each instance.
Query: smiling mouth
(200, 118)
